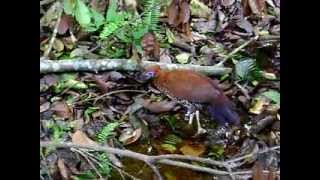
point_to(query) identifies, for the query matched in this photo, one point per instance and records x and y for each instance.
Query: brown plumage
(195, 88)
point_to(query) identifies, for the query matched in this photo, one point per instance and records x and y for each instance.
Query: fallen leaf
(58, 45)
(245, 25)
(44, 107)
(227, 3)
(64, 172)
(165, 58)
(81, 138)
(150, 46)
(260, 104)
(65, 24)
(172, 13)
(159, 107)
(129, 137)
(183, 58)
(79, 52)
(170, 36)
(257, 7)
(193, 150)
(61, 109)
(199, 9)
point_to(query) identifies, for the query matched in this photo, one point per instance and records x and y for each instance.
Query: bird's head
(150, 73)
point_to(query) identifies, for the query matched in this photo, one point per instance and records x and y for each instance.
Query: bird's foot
(200, 130)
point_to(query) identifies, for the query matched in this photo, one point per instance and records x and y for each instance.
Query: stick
(55, 31)
(96, 65)
(163, 159)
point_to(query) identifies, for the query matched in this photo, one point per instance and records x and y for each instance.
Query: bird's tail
(224, 113)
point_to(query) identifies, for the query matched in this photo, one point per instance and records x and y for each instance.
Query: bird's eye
(150, 74)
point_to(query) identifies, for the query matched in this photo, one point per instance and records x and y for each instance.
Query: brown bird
(190, 89)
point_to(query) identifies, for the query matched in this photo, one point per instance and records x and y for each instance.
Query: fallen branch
(96, 65)
(162, 159)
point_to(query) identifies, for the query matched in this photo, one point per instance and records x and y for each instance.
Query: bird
(192, 89)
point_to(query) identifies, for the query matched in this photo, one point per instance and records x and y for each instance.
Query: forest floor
(93, 118)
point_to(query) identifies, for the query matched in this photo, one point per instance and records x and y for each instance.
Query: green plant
(88, 18)
(106, 132)
(247, 70)
(59, 129)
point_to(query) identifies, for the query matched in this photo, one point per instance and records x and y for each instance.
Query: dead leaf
(64, 172)
(164, 57)
(259, 106)
(61, 109)
(65, 24)
(172, 13)
(227, 3)
(193, 149)
(128, 136)
(48, 81)
(104, 86)
(81, 138)
(256, 7)
(58, 45)
(159, 107)
(183, 58)
(44, 107)
(199, 9)
(150, 46)
(245, 25)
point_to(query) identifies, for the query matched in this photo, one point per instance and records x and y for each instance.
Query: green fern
(247, 70)
(106, 132)
(114, 20)
(151, 15)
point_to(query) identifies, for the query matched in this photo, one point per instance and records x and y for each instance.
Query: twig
(116, 92)
(236, 50)
(252, 154)
(55, 31)
(151, 160)
(89, 161)
(243, 90)
(96, 65)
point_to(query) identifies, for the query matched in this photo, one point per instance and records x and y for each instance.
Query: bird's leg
(200, 130)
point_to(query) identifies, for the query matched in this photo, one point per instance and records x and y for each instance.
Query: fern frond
(106, 132)
(151, 15)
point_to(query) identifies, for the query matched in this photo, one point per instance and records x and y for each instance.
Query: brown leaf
(64, 172)
(65, 24)
(184, 12)
(150, 46)
(159, 107)
(227, 2)
(81, 138)
(129, 137)
(172, 13)
(44, 107)
(61, 109)
(164, 57)
(256, 6)
(104, 86)
(193, 149)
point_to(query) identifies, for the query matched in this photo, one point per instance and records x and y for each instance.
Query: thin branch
(162, 159)
(236, 50)
(96, 65)
(55, 31)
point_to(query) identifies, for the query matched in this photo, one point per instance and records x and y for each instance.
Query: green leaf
(273, 95)
(97, 18)
(246, 69)
(172, 139)
(82, 13)
(170, 36)
(69, 6)
(183, 58)
(107, 131)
